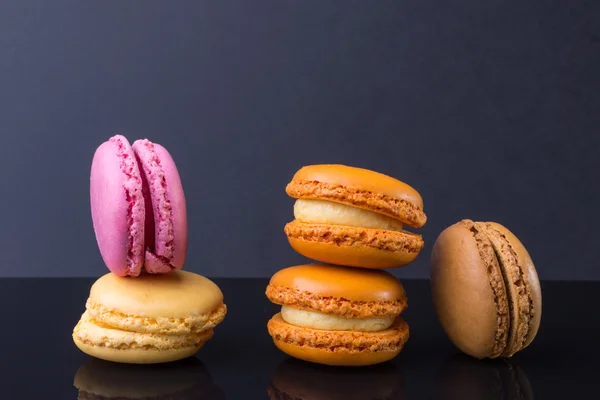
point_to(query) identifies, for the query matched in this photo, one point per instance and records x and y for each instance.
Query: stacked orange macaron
(346, 312)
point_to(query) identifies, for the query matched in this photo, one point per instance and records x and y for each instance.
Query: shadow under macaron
(297, 379)
(464, 377)
(185, 379)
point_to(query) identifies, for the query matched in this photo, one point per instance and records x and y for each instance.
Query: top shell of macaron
(179, 294)
(331, 289)
(360, 188)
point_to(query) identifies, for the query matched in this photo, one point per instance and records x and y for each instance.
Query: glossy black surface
(39, 359)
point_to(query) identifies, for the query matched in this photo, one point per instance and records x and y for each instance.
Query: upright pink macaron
(138, 208)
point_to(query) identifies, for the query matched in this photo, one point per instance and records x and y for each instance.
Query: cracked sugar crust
(160, 325)
(391, 339)
(400, 209)
(349, 236)
(334, 305)
(487, 254)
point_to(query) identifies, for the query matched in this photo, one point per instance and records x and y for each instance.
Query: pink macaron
(138, 207)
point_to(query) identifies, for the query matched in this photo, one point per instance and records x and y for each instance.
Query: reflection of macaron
(337, 315)
(150, 319)
(485, 289)
(462, 377)
(354, 217)
(295, 379)
(138, 207)
(186, 379)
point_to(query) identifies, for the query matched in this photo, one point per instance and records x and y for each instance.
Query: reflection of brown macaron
(354, 217)
(485, 289)
(462, 377)
(298, 380)
(186, 379)
(338, 315)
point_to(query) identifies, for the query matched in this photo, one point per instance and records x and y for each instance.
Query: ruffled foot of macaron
(336, 315)
(149, 319)
(485, 289)
(354, 217)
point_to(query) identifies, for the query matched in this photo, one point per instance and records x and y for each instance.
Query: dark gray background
(491, 109)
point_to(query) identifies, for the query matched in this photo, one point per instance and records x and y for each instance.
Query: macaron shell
(352, 246)
(136, 356)
(530, 278)
(332, 281)
(472, 312)
(325, 357)
(519, 298)
(344, 348)
(180, 294)
(166, 221)
(176, 197)
(360, 188)
(118, 207)
(359, 178)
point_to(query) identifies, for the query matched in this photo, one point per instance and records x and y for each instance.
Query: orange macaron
(337, 315)
(354, 217)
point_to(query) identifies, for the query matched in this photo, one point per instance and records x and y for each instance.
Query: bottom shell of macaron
(352, 246)
(341, 348)
(129, 347)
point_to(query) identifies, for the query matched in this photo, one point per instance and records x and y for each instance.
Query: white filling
(329, 322)
(327, 212)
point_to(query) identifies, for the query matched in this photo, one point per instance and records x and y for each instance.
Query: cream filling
(327, 212)
(330, 322)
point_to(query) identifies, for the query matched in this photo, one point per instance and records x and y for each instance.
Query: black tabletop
(39, 358)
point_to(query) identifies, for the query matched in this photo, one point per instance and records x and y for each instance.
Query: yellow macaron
(354, 217)
(149, 319)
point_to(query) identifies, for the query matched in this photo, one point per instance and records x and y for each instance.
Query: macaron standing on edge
(485, 289)
(138, 207)
(354, 217)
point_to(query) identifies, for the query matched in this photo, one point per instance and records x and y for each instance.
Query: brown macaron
(485, 289)
(354, 217)
(338, 315)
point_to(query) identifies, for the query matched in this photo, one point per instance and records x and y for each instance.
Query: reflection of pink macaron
(138, 207)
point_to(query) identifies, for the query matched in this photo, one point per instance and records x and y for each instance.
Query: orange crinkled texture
(334, 305)
(391, 339)
(340, 235)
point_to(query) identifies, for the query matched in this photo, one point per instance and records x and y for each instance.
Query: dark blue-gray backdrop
(491, 109)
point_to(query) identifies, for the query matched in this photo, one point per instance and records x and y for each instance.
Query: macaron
(296, 379)
(354, 217)
(462, 377)
(138, 207)
(485, 289)
(150, 319)
(337, 315)
(185, 379)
